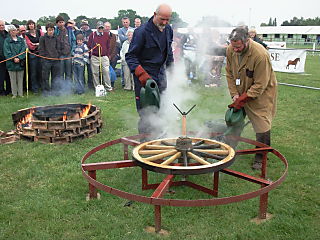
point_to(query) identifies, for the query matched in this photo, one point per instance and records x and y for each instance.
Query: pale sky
(250, 12)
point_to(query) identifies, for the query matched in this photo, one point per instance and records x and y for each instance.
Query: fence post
(27, 72)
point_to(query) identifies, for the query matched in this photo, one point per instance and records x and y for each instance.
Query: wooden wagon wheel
(183, 155)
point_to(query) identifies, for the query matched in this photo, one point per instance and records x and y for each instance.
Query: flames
(64, 117)
(85, 111)
(26, 120)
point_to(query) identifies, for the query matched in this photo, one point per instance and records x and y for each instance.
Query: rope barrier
(48, 58)
(44, 56)
(13, 57)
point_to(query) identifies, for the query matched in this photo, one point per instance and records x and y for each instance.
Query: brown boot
(263, 138)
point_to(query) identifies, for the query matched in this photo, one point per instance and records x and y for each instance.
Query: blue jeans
(78, 71)
(49, 67)
(66, 69)
(35, 73)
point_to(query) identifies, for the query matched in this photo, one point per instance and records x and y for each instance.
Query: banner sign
(276, 44)
(288, 60)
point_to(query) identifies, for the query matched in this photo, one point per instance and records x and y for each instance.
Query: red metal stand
(157, 198)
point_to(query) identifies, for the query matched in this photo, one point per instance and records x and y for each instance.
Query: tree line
(115, 22)
(294, 22)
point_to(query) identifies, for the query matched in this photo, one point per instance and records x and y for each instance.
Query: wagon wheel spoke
(207, 155)
(171, 159)
(161, 155)
(167, 143)
(217, 152)
(198, 159)
(198, 143)
(156, 151)
(160, 147)
(211, 146)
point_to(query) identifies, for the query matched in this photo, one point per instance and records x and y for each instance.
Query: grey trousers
(128, 78)
(95, 67)
(16, 80)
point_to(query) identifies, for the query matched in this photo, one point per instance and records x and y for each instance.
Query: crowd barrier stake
(27, 72)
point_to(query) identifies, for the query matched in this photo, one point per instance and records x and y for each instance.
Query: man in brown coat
(252, 84)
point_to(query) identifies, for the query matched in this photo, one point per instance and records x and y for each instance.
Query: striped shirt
(81, 54)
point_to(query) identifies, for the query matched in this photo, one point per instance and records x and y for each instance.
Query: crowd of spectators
(66, 59)
(62, 59)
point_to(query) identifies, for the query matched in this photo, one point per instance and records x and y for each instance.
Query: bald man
(150, 53)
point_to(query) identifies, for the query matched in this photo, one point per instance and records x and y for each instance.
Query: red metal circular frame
(266, 185)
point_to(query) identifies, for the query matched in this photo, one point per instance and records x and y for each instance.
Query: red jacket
(103, 40)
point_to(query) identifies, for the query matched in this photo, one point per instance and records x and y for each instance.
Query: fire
(64, 117)
(85, 111)
(26, 120)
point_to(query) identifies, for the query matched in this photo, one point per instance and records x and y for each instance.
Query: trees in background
(294, 22)
(272, 22)
(302, 22)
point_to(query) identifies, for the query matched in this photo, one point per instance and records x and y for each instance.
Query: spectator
(113, 57)
(137, 22)
(14, 45)
(86, 31)
(102, 38)
(123, 37)
(216, 53)
(72, 25)
(81, 57)
(254, 37)
(122, 31)
(22, 31)
(128, 78)
(48, 48)
(32, 38)
(66, 40)
(5, 86)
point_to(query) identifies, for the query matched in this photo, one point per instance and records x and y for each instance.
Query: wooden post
(184, 125)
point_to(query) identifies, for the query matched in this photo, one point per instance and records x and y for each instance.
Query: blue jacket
(145, 50)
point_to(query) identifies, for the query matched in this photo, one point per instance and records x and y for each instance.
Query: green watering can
(150, 95)
(234, 120)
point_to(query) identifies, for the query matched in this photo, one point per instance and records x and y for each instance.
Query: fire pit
(58, 123)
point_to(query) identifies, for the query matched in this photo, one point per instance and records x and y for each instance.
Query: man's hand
(239, 101)
(142, 75)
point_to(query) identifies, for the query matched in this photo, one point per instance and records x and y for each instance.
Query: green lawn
(42, 191)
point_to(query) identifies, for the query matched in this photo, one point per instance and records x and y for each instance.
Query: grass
(43, 192)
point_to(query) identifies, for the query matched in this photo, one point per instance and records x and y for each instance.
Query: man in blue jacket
(150, 53)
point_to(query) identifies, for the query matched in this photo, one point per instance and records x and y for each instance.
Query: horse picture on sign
(294, 62)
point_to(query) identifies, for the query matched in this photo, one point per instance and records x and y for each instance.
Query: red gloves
(240, 101)
(142, 75)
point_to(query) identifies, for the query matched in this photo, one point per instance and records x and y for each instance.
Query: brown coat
(258, 80)
(113, 46)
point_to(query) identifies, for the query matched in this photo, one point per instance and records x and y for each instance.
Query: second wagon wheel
(183, 155)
